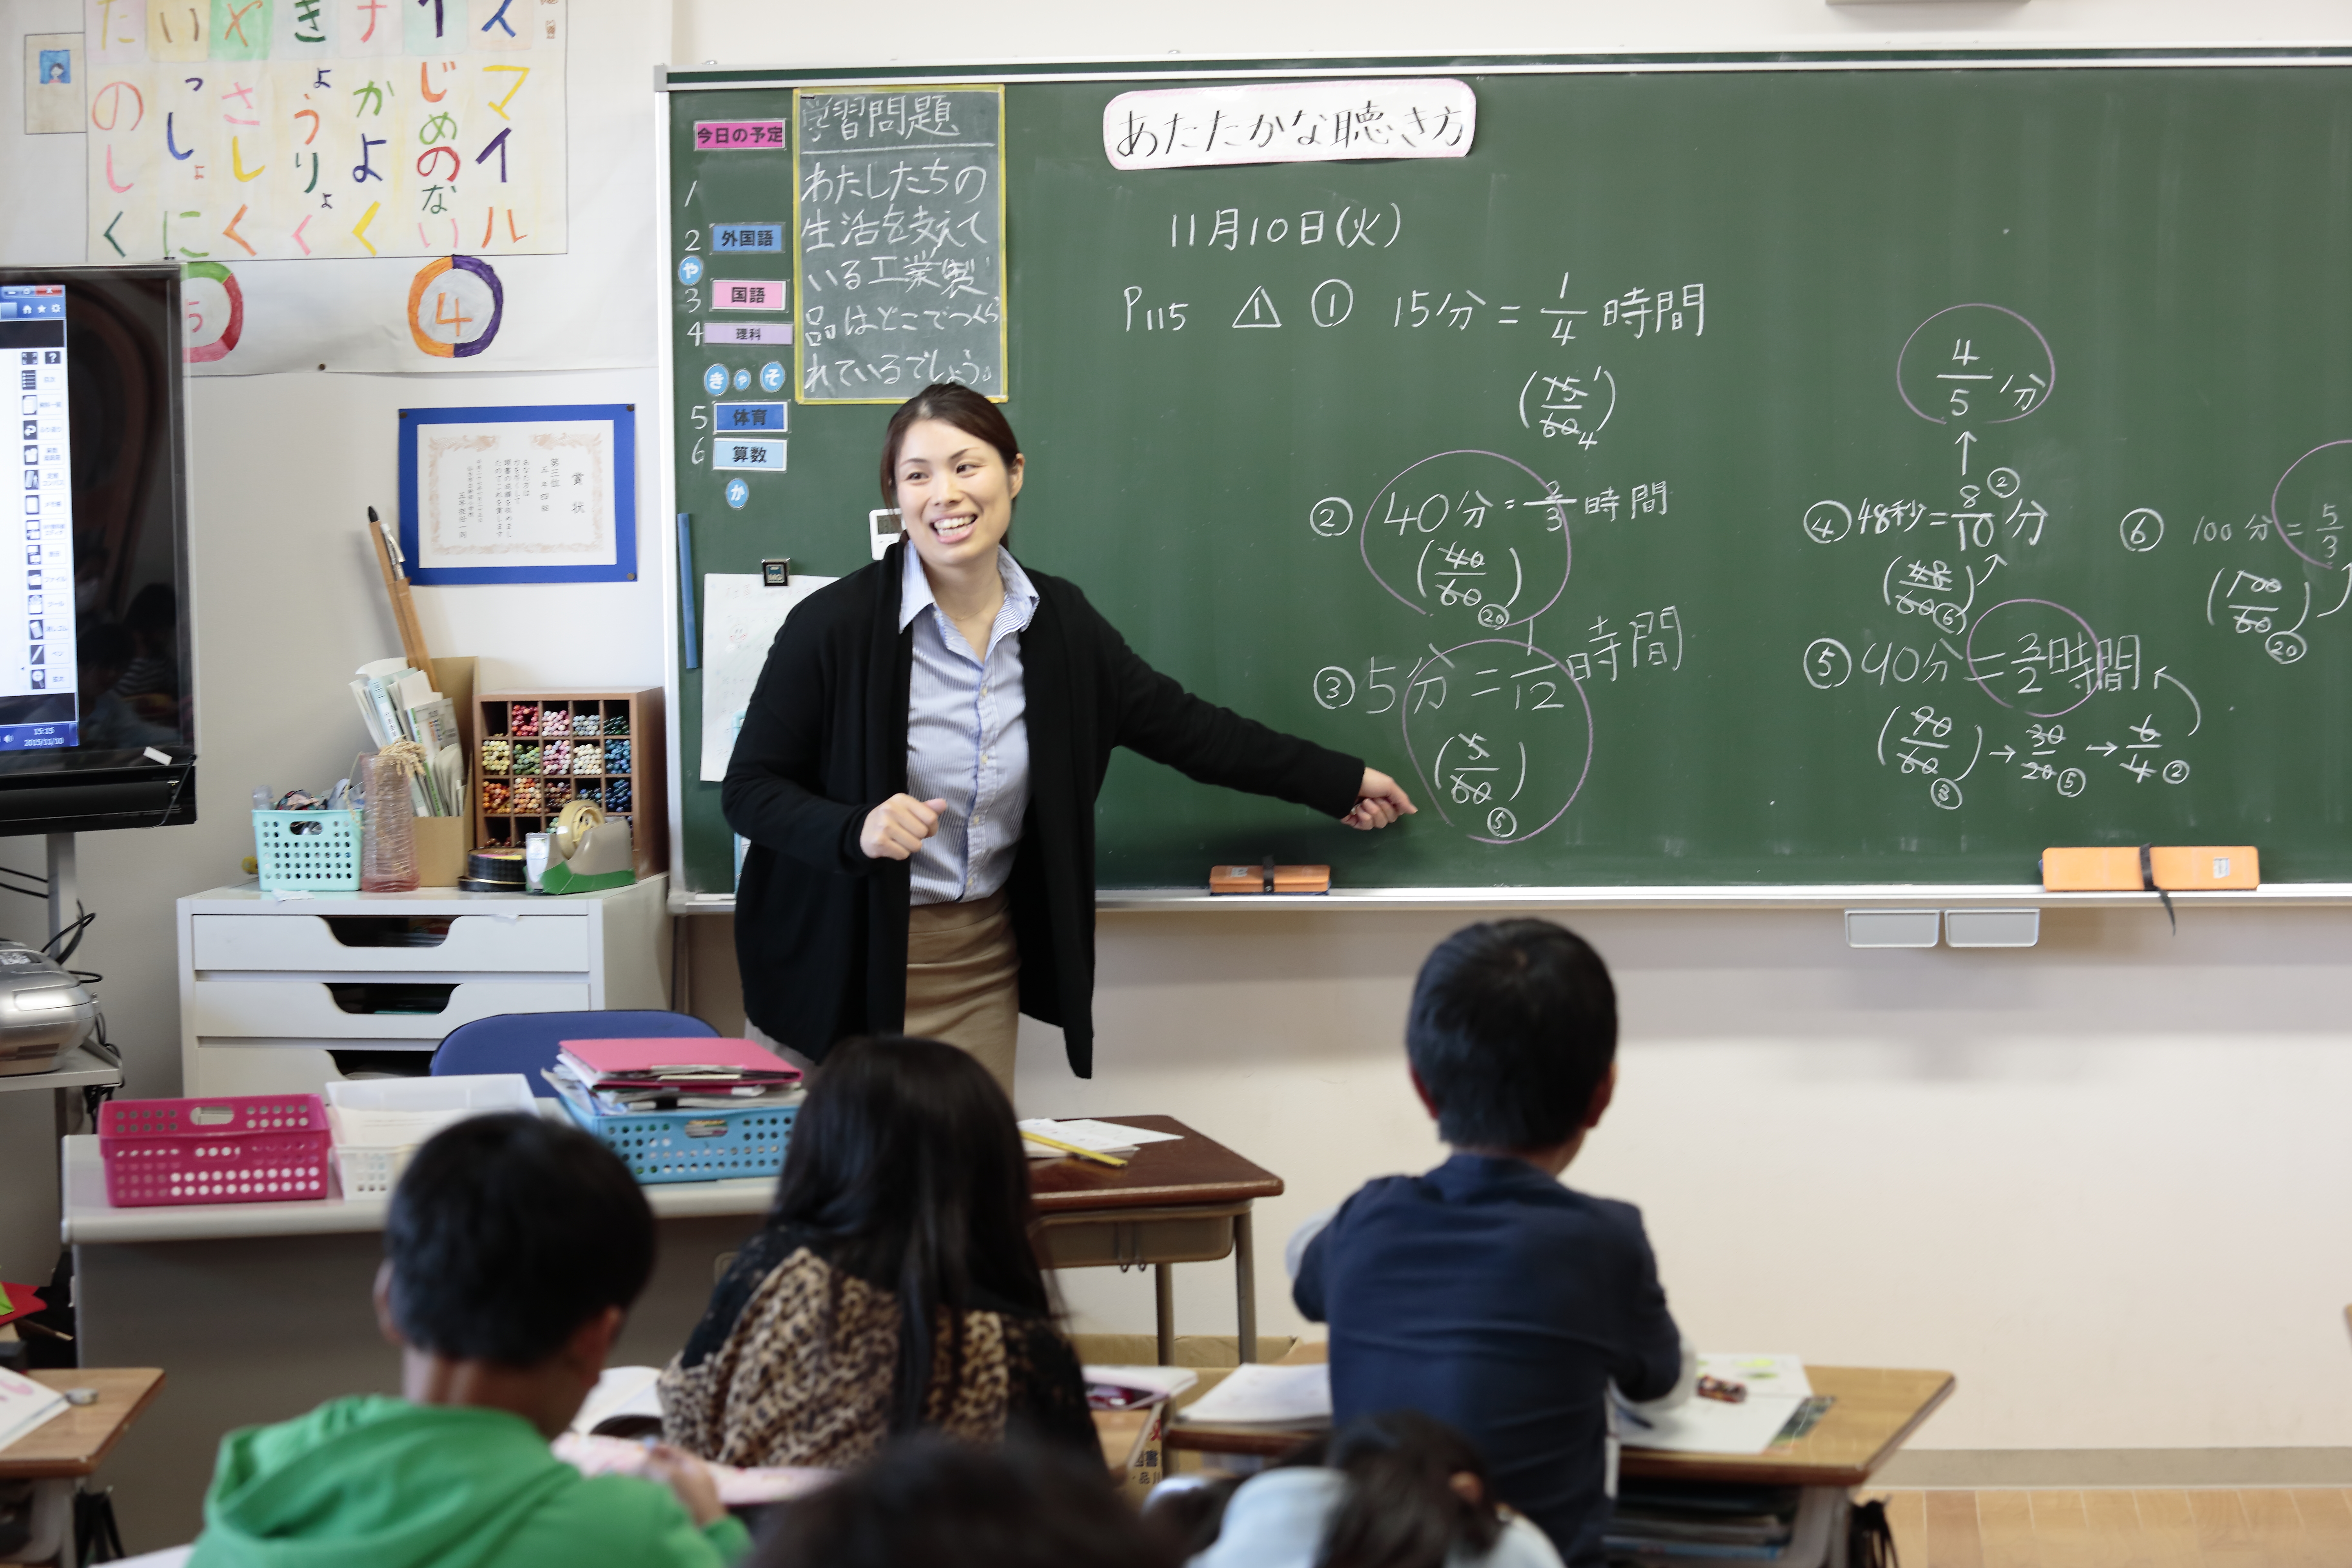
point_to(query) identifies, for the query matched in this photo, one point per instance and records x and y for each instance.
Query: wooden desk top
(1193, 1169)
(77, 1442)
(1877, 1410)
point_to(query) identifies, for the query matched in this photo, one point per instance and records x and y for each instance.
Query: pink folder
(610, 1057)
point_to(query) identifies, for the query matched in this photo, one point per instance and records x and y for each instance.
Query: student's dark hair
(905, 1166)
(930, 1500)
(1513, 1027)
(1402, 1510)
(507, 1233)
(959, 406)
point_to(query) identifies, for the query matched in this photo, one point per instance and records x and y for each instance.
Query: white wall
(2102, 1180)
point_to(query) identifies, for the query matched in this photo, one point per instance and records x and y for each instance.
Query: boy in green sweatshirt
(512, 1252)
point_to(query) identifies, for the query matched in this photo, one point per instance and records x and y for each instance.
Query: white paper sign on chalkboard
(1290, 122)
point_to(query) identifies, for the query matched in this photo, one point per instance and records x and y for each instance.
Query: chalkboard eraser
(2170, 868)
(1269, 878)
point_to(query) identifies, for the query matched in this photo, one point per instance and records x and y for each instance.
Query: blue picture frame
(622, 416)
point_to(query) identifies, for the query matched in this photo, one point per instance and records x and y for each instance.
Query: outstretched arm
(1160, 719)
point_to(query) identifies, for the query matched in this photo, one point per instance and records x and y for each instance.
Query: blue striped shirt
(967, 737)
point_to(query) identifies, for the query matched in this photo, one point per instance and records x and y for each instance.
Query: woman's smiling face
(955, 494)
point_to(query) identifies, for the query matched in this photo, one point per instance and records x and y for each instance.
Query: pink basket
(240, 1149)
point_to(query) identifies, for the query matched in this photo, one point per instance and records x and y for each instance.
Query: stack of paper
(1100, 1137)
(1777, 1388)
(398, 704)
(24, 1404)
(1129, 1387)
(692, 1073)
(1261, 1396)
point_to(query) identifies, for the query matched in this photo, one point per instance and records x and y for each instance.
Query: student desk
(70, 1446)
(1877, 1410)
(1185, 1202)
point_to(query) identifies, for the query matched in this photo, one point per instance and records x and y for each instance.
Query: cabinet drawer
(222, 1012)
(349, 943)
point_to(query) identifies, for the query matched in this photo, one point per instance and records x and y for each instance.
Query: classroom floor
(2296, 1526)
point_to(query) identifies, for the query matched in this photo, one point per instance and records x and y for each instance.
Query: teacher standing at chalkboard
(918, 770)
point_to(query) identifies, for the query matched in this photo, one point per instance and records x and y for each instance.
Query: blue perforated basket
(314, 850)
(693, 1145)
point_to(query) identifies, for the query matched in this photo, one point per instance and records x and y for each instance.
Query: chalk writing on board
(1976, 365)
(1666, 311)
(1347, 226)
(1501, 733)
(1164, 317)
(2040, 661)
(1290, 122)
(899, 254)
(1569, 403)
(2308, 506)
(1469, 534)
(1988, 517)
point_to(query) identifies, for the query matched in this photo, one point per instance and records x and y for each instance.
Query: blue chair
(527, 1043)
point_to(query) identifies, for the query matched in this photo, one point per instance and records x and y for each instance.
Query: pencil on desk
(1073, 1149)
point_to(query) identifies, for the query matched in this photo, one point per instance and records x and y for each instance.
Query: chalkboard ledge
(1821, 895)
(1824, 896)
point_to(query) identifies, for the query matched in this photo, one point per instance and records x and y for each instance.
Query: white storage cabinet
(271, 990)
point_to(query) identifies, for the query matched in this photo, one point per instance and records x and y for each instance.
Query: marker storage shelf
(540, 750)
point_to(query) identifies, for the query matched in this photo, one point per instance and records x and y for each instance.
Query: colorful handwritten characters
(240, 130)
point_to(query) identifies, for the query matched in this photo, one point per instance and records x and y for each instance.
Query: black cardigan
(820, 928)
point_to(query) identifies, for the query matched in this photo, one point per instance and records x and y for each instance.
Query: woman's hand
(897, 828)
(1380, 800)
(689, 1479)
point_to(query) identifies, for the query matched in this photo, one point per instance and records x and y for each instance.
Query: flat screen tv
(96, 692)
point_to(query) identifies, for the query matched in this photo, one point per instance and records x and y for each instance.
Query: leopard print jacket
(762, 1382)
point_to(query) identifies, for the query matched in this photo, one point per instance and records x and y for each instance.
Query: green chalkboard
(1944, 463)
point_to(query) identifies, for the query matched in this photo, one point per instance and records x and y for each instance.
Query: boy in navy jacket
(1485, 1292)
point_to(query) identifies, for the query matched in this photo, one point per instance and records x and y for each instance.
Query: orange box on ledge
(1254, 879)
(2175, 868)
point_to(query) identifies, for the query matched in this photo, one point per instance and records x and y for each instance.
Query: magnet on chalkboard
(776, 574)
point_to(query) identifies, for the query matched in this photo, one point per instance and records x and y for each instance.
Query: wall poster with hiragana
(232, 131)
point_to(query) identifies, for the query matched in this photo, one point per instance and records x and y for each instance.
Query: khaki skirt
(963, 983)
(964, 980)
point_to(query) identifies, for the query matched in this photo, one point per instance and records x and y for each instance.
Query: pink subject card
(738, 135)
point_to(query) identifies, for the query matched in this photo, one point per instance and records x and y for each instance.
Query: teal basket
(314, 850)
(693, 1145)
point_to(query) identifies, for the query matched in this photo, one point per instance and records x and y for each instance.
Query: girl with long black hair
(895, 1286)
